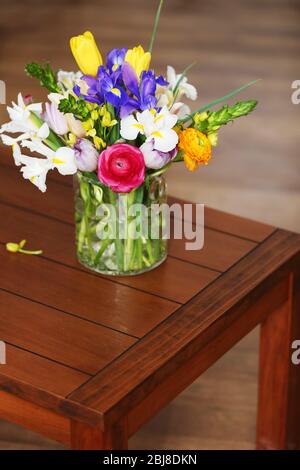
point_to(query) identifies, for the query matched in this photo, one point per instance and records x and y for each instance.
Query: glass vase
(119, 233)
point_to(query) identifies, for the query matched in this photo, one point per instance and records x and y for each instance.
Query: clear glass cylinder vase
(119, 233)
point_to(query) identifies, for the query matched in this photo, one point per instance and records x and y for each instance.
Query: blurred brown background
(255, 170)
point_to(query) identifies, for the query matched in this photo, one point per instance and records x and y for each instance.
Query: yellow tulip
(138, 59)
(86, 53)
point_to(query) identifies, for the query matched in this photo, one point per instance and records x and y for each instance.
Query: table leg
(278, 423)
(85, 437)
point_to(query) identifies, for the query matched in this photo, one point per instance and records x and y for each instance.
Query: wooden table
(90, 359)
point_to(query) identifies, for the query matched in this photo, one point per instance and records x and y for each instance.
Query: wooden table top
(89, 346)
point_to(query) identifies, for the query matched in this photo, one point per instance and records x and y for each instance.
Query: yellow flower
(86, 53)
(94, 114)
(196, 148)
(138, 59)
(99, 143)
(88, 124)
(107, 120)
(71, 138)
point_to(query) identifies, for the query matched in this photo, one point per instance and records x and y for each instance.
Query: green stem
(104, 246)
(53, 141)
(156, 21)
(117, 241)
(129, 241)
(219, 100)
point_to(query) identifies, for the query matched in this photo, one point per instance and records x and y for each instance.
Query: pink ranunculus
(121, 167)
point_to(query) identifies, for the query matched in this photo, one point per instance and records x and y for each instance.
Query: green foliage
(77, 107)
(44, 74)
(215, 119)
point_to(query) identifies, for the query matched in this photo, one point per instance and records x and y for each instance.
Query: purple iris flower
(115, 59)
(105, 87)
(143, 92)
(119, 85)
(94, 92)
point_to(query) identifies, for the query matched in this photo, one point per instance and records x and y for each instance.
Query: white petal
(21, 101)
(171, 76)
(129, 128)
(35, 170)
(35, 107)
(64, 161)
(38, 146)
(55, 98)
(165, 119)
(190, 91)
(14, 126)
(165, 140)
(181, 110)
(43, 131)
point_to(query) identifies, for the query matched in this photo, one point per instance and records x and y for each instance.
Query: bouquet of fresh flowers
(116, 126)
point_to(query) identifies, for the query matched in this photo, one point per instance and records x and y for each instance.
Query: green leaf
(219, 100)
(45, 75)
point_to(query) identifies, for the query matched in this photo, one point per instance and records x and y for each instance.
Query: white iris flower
(157, 126)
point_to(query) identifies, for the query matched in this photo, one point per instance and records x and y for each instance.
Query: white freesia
(63, 159)
(68, 79)
(56, 98)
(156, 126)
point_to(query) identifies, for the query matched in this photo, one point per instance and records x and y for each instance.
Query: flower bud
(86, 155)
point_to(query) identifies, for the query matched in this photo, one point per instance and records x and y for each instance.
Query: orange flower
(196, 148)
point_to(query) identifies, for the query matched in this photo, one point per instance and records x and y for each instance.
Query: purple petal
(116, 57)
(128, 108)
(130, 79)
(161, 81)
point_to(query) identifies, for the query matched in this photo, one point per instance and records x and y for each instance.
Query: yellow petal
(191, 165)
(86, 53)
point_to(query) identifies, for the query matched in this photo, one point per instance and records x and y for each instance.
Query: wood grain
(228, 223)
(263, 41)
(40, 372)
(85, 437)
(278, 406)
(240, 320)
(220, 250)
(82, 294)
(33, 417)
(55, 335)
(159, 353)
